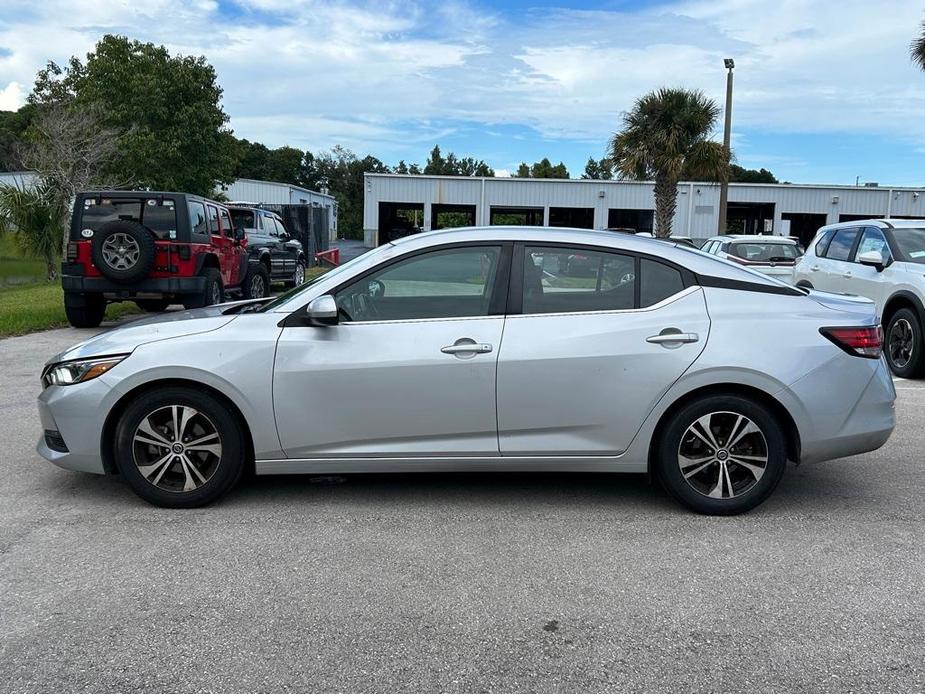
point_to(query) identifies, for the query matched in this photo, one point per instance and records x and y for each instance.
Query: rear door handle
(663, 338)
(467, 348)
(847, 275)
(814, 268)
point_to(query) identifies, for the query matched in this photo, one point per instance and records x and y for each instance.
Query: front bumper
(72, 282)
(76, 413)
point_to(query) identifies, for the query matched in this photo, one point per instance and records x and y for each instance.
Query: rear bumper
(834, 421)
(77, 284)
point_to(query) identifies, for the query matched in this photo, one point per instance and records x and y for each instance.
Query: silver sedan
(498, 348)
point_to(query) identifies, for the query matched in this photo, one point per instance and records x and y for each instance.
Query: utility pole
(724, 185)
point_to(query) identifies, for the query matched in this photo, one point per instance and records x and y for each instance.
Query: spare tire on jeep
(123, 250)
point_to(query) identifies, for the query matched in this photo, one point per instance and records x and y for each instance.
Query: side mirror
(239, 234)
(873, 259)
(322, 310)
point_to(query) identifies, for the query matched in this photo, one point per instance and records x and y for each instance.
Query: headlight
(69, 372)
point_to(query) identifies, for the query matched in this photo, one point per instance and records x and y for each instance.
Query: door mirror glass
(873, 259)
(322, 310)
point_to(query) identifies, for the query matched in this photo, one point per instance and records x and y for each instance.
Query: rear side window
(840, 246)
(197, 218)
(822, 245)
(565, 280)
(213, 220)
(657, 282)
(160, 216)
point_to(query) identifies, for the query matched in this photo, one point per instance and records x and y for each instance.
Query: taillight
(71, 251)
(861, 342)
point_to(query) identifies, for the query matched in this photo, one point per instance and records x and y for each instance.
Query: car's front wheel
(298, 275)
(721, 455)
(179, 447)
(904, 347)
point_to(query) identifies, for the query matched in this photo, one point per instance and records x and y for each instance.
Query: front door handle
(814, 268)
(672, 337)
(847, 275)
(467, 348)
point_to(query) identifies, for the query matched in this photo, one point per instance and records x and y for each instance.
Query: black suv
(270, 244)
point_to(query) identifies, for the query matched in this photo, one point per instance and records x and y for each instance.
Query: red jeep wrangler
(155, 249)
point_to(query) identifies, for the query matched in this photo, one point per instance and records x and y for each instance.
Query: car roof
(760, 238)
(693, 259)
(882, 223)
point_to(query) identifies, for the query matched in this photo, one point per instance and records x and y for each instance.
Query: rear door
(837, 267)
(585, 357)
(236, 253)
(222, 246)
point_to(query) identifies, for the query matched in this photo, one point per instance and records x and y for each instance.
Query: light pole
(724, 185)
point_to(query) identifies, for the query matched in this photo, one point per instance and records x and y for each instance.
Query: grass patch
(16, 268)
(313, 272)
(25, 309)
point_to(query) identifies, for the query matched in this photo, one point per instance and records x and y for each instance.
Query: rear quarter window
(822, 245)
(657, 282)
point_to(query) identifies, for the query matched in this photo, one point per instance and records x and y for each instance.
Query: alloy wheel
(120, 251)
(177, 448)
(258, 288)
(901, 343)
(723, 455)
(299, 275)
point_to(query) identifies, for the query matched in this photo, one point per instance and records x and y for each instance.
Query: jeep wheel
(84, 310)
(212, 293)
(153, 305)
(256, 283)
(298, 276)
(123, 251)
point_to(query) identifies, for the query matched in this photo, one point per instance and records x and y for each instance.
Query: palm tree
(34, 215)
(665, 138)
(917, 48)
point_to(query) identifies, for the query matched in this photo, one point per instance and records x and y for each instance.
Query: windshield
(911, 244)
(242, 219)
(295, 291)
(765, 251)
(160, 216)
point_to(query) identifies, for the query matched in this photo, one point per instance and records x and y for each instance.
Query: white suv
(884, 260)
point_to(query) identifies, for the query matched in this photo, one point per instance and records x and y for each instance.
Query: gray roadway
(457, 583)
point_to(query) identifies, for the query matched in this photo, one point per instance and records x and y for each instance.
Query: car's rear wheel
(722, 455)
(256, 283)
(212, 293)
(84, 310)
(180, 448)
(298, 275)
(153, 305)
(904, 347)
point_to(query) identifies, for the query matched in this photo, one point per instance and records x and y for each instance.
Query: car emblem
(86, 233)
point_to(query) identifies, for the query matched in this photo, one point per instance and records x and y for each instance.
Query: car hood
(125, 339)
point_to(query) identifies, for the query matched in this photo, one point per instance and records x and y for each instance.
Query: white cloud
(11, 97)
(386, 76)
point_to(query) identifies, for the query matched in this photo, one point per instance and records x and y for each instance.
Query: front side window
(269, 226)
(243, 220)
(911, 244)
(841, 243)
(872, 240)
(226, 222)
(450, 283)
(557, 280)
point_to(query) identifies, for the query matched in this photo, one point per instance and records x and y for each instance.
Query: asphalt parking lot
(457, 583)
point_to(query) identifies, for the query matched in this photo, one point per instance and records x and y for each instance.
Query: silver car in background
(774, 256)
(484, 349)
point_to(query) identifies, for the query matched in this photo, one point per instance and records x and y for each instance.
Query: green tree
(168, 106)
(917, 48)
(13, 128)
(451, 165)
(738, 174)
(598, 169)
(542, 169)
(665, 136)
(34, 216)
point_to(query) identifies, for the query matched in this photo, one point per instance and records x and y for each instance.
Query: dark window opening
(452, 216)
(804, 226)
(398, 219)
(636, 221)
(575, 217)
(518, 216)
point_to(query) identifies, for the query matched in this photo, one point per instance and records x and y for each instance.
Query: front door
(866, 280)
(410, 369)
(600, 337)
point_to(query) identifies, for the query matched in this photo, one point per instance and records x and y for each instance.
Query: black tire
(256, 284)
(296, 274)
(212, 293)
(722, 412)
(124, 262)
(217, 473)
(153, 305)
(903, 345)
(84, 310)
(803, 284)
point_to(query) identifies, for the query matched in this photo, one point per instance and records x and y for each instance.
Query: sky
(824, 90)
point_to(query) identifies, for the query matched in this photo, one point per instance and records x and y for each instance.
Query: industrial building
(269, 194)
(396, 205)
